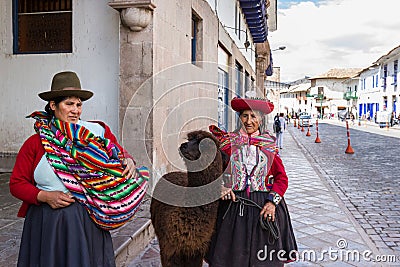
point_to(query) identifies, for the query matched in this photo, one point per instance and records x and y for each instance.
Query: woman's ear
(52, 105)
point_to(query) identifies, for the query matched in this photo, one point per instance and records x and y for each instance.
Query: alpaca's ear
(191, 136)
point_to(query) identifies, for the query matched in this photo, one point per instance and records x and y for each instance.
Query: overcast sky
(324, 34)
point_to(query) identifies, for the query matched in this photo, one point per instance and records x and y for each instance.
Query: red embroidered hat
(263, 105)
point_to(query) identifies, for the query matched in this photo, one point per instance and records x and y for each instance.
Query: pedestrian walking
(62, 224)
(253, 214)
(279, 128)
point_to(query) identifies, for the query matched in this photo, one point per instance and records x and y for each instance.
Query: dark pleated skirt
(64, 237)
(240, 241)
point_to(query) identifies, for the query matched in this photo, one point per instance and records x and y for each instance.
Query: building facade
(327, 91)
(158, 68)
(376, 89)
(367, 97)
(388, 66)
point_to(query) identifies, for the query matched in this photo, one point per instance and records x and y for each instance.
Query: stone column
(135, 83)
(262, 62)
(263, 52)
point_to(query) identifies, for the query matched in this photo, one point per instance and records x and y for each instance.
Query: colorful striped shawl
(230, 141)
(91, 169)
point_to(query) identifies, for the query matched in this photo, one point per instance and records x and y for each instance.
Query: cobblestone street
(366, 181)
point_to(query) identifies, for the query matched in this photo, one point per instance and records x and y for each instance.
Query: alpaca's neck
(201, 178)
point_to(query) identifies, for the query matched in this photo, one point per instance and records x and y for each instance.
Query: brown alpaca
(183, 228)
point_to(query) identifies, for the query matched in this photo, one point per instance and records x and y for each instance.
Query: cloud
(320, 35)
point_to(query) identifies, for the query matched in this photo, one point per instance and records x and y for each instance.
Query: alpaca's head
(201, 152)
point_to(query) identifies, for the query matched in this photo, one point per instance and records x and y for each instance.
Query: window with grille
(395, 70)
(42, 26)
(384, 77)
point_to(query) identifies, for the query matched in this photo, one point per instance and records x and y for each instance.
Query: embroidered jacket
(268, 162)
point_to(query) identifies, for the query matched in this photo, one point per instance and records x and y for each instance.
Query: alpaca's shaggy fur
(184, 233)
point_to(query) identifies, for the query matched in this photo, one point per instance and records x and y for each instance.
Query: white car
(305, 120)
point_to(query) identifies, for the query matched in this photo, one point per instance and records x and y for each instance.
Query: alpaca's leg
(170, 257)
(193, 261)
(197, 262)
(166, 256)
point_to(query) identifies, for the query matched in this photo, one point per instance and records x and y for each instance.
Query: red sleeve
(280, 178)
(22, 185)
(109, 135)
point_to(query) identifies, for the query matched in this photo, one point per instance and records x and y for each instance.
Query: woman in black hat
(59, 229)
(253, 227)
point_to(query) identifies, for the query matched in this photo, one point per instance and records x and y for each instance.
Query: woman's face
(68, 110)
(250, 121)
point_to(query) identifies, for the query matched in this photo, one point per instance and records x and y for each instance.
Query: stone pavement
(326, 232)
(366, 181)
(367, 126)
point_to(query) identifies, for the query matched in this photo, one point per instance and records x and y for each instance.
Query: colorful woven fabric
(230, 141)
(90, 168)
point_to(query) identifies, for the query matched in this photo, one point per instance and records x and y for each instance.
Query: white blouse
(45, 177)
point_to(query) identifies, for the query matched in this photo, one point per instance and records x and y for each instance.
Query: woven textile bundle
(90, 168)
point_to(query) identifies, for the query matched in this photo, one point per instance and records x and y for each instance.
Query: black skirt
(63, 237)
(240, 241)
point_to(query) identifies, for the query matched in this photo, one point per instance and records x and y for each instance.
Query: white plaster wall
(184, 94)
(226, 14)
(390, 93)
(95, 58)
(369, 94)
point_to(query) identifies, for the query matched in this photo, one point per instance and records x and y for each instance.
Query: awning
(256, 19)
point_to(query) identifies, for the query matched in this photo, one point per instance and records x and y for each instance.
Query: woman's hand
(227, 194)
(130, 168)
(55, 199)
(268, 211)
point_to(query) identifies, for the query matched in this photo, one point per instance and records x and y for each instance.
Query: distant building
(294, 100)
(327, 91)
(376, 88)
(364, 96)
(388, 66)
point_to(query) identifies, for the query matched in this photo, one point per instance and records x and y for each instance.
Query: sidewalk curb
(134, 245)
(325, 179)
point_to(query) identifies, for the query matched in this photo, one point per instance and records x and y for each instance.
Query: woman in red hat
(254, 227)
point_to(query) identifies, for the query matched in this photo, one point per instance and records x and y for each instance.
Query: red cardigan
(22, 183)
(280, 184)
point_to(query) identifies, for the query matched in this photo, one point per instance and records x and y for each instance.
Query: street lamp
(279, 48)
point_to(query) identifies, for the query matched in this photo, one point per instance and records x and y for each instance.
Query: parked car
(305, 120)
(343, 115)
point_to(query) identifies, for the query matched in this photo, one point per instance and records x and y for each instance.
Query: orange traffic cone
(317, 140)
(294, 123)
(308, 130)
(349, 149)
